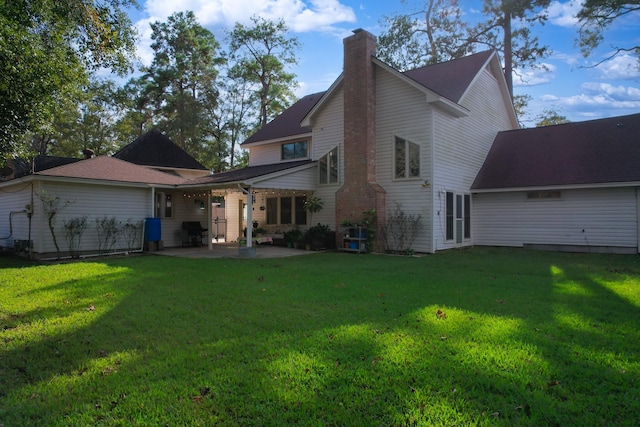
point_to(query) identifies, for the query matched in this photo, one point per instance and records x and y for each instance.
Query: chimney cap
(357, 30)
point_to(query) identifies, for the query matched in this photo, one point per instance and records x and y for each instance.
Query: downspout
(153, 202)
(249, 214)
(11, 223)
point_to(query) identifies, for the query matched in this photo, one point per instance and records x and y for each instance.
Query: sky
(565, 82)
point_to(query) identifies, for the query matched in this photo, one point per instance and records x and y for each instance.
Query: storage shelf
(353, 243)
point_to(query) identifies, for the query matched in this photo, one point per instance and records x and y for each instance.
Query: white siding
(403, 111)
(328, 133)
(92, 201)
(268, 154)
(461, 145)
(300, 180)
(588, 217)
(14, 199)
(264, 154)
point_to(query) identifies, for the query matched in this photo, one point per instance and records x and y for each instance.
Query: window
(301, 214)
(294, 150)
(272, 210)
(286, 210)
(467, 216)
(449, 215)
(544, 194)
(164, 205)
(407, 159)
(328, 165)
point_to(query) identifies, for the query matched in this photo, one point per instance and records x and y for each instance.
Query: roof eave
(276, 140)
(432, 98)
(258, 179)
(307, 120)
(93, 181)
(556, 187)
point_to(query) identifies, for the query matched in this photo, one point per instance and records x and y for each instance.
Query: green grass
(474, 337)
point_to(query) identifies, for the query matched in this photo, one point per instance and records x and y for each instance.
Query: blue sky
(567, 83)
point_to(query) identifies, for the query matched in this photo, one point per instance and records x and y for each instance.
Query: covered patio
(253, 199)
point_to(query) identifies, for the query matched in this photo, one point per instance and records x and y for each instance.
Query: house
(565, 187)
(97, 188)
(440, 143)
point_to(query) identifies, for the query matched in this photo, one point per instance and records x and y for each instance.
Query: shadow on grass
(326, 341)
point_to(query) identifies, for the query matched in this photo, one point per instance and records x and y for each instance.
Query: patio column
(210, 223)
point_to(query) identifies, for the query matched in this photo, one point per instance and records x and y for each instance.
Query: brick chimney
(360, 191)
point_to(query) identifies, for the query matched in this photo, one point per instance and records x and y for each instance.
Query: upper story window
(407, 159)
(295, 150)
(328, 167)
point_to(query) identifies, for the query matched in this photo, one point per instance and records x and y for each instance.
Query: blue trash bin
(152, 230)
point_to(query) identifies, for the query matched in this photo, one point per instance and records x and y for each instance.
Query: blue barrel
(152, 230)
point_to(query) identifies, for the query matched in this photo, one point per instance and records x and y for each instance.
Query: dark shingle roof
(288, 123)
(452, 78)
(449, 79)
(591, 152)
(23, 167)
(239, 175)
(156, 149)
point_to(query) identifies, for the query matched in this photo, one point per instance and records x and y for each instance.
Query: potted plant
(292, 237)
(317, 237)
(312, 205)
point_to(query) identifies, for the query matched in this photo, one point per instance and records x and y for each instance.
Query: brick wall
(360, 191)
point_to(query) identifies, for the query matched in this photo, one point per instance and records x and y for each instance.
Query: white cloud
(564, 14)
(536, 75)
(620, 67)
(598, 96)
(300, 16)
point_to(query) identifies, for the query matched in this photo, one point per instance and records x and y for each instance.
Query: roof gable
(593, 152)
(156, 149)
(246, 173)
(452, 78)
(107, 168)
(288, 123)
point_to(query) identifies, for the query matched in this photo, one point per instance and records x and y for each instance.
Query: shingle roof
(156, 149)
(288, 123)
(23, 167)
(452, 78)
(448, 79)
(112, 169)
(591, 152)
(249, 172)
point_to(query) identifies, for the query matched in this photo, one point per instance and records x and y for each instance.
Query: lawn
(473, 337)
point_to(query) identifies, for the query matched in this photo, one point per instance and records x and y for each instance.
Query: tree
(46, 48)
(236, 116)
(518, 46)
(434, 32)
(89, 124)
(260, 54)
(596, 16)
(180, 83)
(551, 117)
(443, 35)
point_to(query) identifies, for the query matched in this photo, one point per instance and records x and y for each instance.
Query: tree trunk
(508, 60)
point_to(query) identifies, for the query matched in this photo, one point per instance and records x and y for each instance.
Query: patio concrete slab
(230, 250)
